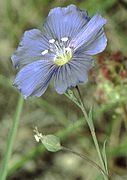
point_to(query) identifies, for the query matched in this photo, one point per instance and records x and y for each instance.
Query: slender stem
(94, 137)
(85, 158)
(11, 139)
(92, 130)
(124, 115)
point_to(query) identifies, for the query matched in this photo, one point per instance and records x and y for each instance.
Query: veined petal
(65, 22)
(98, 44)
(89, 32)
(30, 48)
(72, 73)
(34, 78)
(81, 60)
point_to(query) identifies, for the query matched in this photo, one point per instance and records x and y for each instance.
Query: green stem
(85, 158)
(78, 101)
(94, 138)
(124, 115)
(92, 130)
(11, 139)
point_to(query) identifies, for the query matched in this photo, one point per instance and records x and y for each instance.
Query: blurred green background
(53, 113)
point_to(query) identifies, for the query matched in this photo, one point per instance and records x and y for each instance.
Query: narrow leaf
(90, 115)
(105, 156)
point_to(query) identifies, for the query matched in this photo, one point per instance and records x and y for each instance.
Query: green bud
(51, 143)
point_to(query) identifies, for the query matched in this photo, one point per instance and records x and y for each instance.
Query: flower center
(63, 58)
(62, 52)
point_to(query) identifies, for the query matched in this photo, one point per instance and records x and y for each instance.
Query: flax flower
(61, 52)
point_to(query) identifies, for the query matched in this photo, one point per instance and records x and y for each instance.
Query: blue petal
(98, 44)
(89, 33)
(73, 73)
(30, 48)
(65, 22)
(34, 78)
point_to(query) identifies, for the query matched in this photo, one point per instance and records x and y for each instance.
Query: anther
(68, 49)
(44, 52)
(64, 39)
(51, 41)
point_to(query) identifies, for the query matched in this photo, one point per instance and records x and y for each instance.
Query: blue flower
(62, 51)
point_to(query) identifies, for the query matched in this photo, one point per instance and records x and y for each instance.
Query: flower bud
(51, 143)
